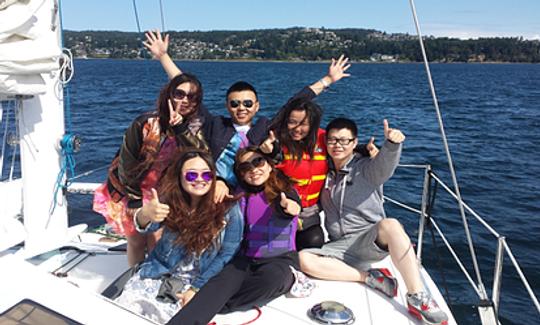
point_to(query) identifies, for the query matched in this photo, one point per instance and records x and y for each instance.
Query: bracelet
(325, 84)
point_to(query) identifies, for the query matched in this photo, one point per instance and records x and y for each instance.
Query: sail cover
(28, 46)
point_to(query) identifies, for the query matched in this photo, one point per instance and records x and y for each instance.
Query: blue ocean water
(492, 119)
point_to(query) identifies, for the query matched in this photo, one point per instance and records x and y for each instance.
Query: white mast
(40, 122)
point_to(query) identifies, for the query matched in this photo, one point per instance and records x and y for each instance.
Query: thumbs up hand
(393, 135)
(289, 206)
(268, 145)
(153, 211)
(372, 148)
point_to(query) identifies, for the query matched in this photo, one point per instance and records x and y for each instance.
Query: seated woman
(146, 151)
(262, 269)
(199, 238)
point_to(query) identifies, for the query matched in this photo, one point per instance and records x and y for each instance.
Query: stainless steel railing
(490, 313)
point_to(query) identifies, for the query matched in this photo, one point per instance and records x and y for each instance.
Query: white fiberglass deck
(369, 306)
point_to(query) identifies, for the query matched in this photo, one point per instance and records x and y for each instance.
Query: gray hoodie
(352, 198)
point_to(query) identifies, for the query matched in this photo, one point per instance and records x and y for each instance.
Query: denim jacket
(166, 255)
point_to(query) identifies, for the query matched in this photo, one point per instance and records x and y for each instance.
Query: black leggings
(242, 283)
(312, 237)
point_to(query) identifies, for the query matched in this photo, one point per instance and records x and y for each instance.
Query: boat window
(28, 312)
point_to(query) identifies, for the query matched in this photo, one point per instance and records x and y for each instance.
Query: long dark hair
(150, 147)
(197, 229)
(167, 93)
(313, 116)
(276, 183)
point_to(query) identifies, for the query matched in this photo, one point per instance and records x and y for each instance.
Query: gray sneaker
(423, 307)
(382, 280)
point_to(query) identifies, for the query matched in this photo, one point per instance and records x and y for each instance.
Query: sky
(452, 18)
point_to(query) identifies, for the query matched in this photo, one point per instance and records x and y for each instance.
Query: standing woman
(147, 149)
(199, 238)
(262, 269)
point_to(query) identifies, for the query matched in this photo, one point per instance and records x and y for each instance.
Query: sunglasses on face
(235, 103)
(179, 94)
(248, 166)
(192, 176)
(341, 141)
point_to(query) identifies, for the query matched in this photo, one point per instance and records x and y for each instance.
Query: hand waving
(155, 44)
(337, 68)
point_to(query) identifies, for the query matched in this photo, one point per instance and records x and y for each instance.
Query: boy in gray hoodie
(357, 226)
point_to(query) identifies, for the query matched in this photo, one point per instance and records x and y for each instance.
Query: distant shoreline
(310, 62)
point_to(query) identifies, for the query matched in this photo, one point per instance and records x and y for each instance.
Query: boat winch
(331, 312)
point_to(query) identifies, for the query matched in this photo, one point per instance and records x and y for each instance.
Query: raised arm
(380, 168)
(336, 71)
(158, 47)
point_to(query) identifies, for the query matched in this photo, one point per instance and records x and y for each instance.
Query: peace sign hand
(393, 135)
(175, 118)
(268, 145)
(289, 206)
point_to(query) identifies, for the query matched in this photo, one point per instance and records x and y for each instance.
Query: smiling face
(340, 152)
(197, 187)
(242, 105)
(298, 125)
(257, 175)
(184, 98)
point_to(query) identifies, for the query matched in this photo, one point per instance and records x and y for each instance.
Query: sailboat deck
(368, 305)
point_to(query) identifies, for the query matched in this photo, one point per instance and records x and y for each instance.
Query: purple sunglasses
(192, 176)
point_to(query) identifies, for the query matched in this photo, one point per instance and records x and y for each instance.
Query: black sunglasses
(248, 166)
(235, 103)
(179, 94)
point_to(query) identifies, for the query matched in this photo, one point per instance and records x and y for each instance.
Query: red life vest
(308, 174)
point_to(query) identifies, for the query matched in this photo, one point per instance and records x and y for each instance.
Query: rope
(69, 145)
(259, 313)
(448, 155)
(88, 172)
(162, 17)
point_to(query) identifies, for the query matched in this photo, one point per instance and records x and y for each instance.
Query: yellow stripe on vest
(306, 181)
(317, 157)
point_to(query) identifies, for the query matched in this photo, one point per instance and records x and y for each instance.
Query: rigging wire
(4, 138)
(136, 16)
(448, 155)
(162, 17)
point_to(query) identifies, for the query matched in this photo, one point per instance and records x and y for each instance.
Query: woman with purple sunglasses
(199, 238)
(262, 270)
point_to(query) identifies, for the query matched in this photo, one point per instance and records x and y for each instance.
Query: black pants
(242, 283)
(312, 237)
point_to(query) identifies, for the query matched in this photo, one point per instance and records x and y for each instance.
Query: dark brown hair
(276, 183)
(166, 94)
(149, 150)
(313, 116)
(196, 229)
